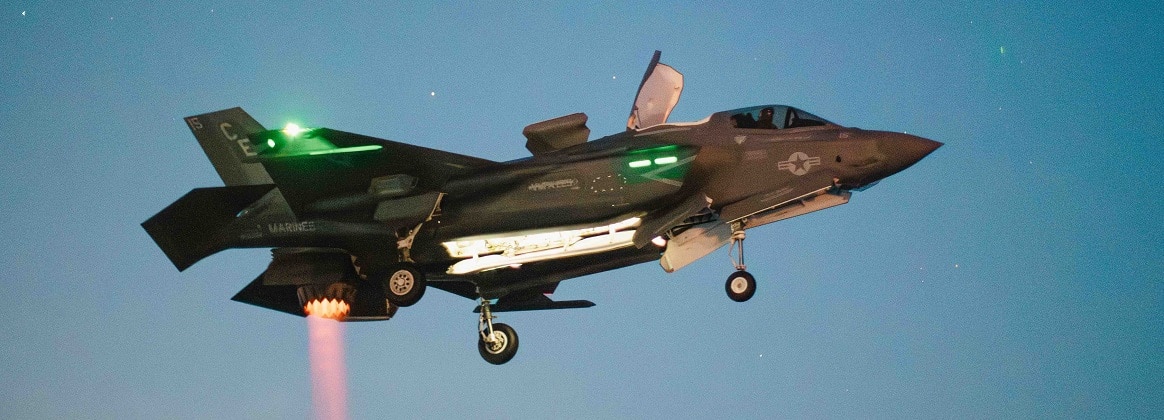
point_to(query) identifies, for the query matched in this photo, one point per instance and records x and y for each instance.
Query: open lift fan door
(658, 94)
(556, 134)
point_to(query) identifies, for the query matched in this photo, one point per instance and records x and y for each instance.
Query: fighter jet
(360, 226)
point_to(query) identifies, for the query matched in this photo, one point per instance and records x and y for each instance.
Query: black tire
(740, 286)
(501, 352)
(404, 283)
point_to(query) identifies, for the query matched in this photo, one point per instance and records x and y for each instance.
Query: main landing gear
(740, 285)
(404, 283)
(496, 342)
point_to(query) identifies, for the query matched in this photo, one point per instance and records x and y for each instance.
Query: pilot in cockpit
(743, 120)
(765, 120)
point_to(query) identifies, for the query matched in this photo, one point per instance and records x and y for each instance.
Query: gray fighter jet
(360, 226)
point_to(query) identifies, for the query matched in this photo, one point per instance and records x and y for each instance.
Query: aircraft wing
(463, 289)
(270, 291)
(534, 302)
(344, 164)
(281, 298)
(657, 96)
(535, 299)
(529, 299)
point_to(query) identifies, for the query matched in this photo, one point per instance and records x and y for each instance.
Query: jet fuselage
(636, 174)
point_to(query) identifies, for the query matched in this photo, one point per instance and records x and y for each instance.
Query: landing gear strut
(496, 342)
(741, 285)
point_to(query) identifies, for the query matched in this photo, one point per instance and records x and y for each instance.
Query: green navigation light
(665, 160)
(271, 143)
(346, 150)
(293, 129)
(640, 163)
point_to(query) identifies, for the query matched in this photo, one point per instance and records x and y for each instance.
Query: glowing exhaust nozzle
(327, 308)
(330, 301)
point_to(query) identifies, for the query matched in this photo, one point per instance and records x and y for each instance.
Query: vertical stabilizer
(223, 136)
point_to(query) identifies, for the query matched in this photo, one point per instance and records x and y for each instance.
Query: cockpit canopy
(774, 117)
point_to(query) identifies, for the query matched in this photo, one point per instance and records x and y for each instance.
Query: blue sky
(1015, 272)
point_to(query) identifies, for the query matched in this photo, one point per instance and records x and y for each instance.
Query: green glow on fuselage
(656, 149)
(346, 150)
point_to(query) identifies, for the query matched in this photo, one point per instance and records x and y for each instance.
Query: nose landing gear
(741, 285)
(496, 342)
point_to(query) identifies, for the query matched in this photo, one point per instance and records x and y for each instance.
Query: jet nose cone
(915, 148)
(905, 150)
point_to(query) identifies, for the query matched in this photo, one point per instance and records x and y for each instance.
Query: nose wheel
(741, 285)
(496, 342)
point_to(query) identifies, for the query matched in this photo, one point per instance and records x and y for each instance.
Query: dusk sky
(1016, 272)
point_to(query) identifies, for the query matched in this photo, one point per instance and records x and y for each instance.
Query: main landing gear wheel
(496, 342)
(404, 284)
(740, 286)
(502, 344)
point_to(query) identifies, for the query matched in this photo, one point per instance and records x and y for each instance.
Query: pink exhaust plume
(329, 389)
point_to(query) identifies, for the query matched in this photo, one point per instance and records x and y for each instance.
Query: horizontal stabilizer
(282, 298)
(369, 304)
(190, 229)
(533, 302)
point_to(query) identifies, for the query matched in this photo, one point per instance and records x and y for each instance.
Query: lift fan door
(657, 96)
(556, 134)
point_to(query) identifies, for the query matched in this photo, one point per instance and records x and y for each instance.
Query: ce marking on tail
(243, 143)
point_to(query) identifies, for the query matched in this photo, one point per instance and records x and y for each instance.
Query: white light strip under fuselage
(505, 251)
